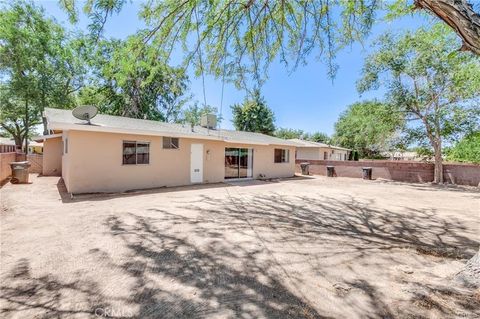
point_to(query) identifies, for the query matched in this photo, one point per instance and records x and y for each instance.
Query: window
(281, 156)
(170, 142)
(136, 153)
(325, 156)
(66, 146)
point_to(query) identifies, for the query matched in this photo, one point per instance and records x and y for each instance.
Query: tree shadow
(435, 187)
(220, 287)
(236, 256)
(359, 225)
(25, 295)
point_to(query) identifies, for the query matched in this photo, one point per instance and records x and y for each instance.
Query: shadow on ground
(233, 257)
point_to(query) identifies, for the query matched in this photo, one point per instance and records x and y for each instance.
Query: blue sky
(306, 99)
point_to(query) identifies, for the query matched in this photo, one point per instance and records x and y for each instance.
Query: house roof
(310, 144)
(35, 143)
(59, 120)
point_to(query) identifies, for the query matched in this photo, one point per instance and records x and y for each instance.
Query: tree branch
(459, 15)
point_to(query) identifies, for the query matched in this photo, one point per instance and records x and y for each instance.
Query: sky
(305, 99)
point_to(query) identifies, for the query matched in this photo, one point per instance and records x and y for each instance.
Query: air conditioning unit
(209, 121)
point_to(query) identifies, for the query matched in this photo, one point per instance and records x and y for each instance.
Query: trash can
(19, 172)
(367, 172)
(305, 168)
(330, 171)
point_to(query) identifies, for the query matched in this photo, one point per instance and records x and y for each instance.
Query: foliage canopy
(254, 115)
(368, 127)
(434, 87)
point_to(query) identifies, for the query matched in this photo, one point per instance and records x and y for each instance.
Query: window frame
(136, 152)
(171, 144)
(284, 157)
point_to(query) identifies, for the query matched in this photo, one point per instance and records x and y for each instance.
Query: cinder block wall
(36, 162)
(5, 160)
(403, 171)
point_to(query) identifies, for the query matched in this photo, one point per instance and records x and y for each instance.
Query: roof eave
(108, 129)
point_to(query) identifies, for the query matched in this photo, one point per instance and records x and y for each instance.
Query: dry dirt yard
(296, 248)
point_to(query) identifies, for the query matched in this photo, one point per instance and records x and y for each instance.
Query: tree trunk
(459, 15)
(438, 172)
(470, 274)
(26, 128)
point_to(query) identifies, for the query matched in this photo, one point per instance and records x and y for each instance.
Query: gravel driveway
(295, 248)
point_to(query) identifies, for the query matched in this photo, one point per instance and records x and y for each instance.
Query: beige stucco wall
(94, 163)
(52, 157)
(308, 153)
(317, 153)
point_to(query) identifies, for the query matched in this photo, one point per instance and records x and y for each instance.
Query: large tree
(289, 133)
(38, 68)
(253, 115)
(368, 127)
(319, 137)
(131, 79)
(433, 87)
(238, 39)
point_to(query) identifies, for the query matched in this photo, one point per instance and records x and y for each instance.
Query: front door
(196, 163)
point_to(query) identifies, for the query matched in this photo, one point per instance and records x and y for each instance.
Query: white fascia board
(106, 129)
(226, 140)
(46, 137)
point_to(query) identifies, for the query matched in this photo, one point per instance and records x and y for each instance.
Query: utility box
(331, 171)
(305, 168)
(367, 172)
(209, 121)
(19, 172)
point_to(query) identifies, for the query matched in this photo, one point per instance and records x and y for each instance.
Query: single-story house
(307, 150)
(7, 145)
(116, 153)
(35, 147)
(403, 156)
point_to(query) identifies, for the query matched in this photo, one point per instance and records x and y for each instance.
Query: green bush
(467, 150)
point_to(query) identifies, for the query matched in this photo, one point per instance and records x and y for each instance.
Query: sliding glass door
(238, 162)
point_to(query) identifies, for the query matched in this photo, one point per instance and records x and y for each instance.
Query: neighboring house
(7, 145)
(403, 156)
(307, 150)
(117, 153)
(35, 148)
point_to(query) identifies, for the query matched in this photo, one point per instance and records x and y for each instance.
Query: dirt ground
(295, 248)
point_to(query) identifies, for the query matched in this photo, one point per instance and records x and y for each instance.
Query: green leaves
(133, 80)
(239, 39)
(369, 127)
(254, 115)
(426, 81)
(466, 150)
(436, 91)
(39, 67)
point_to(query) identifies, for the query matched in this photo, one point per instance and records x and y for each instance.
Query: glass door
(238, 162)
(231, 162)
